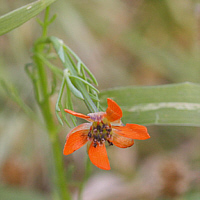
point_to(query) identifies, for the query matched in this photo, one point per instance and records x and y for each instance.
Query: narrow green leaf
(58, 117)
(69, 104)
(71, 67)
(54, 68)
(79, 67)
(70, 59)
(90, 74)
(59, 101)
(94, 97)
(85, 82)
(52, 19)
(59, 47)
(13, 94)
(61, 53)
(174, 104)
(53, 85)
(63, 115)
(73, 89)
(21, 15)
(81, 64)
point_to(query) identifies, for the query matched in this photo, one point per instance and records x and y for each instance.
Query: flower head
(102, 127)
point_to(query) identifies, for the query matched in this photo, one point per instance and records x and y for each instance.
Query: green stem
(46, 22)
(86, 176)
(44, 104)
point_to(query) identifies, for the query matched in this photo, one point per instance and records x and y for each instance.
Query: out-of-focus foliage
(17, 194)
(124, 43)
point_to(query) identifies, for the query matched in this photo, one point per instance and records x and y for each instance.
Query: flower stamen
(100, 131)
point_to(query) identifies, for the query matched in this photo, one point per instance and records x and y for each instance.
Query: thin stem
(46, 22)
(86, 176)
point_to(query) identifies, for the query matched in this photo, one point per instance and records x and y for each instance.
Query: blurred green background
(132, 42)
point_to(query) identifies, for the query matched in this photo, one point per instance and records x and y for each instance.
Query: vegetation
(143, 54)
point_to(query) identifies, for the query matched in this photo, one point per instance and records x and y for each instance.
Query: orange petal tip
(98, 156)
(113, 111)
(80, 115)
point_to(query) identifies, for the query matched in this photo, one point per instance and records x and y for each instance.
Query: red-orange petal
(113, 111)
(133, 131)
(81, 127)
(120, 141)
(98, 156)
(80, 115)
(75, 140)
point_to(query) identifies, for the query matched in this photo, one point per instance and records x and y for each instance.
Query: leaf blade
(173, 104)
(21, 15)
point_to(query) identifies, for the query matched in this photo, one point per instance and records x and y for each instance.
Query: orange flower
(103, 126)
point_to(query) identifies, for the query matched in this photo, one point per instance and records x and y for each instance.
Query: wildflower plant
(168, 104)
(75, 79)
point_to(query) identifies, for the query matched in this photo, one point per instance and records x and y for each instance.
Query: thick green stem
(60, 178)
(53, 133)
(44, 104)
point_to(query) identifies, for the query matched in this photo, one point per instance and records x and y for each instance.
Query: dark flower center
(100, 131)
